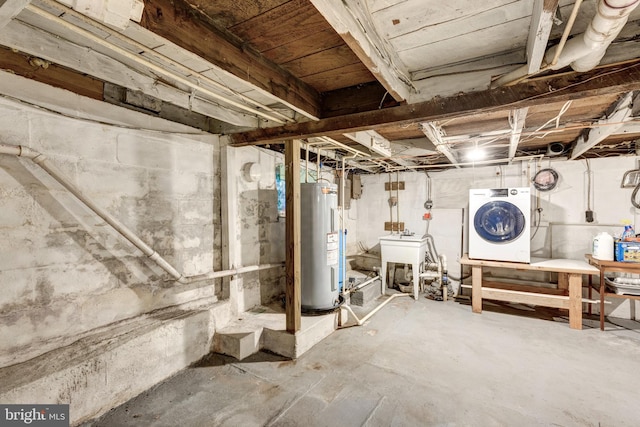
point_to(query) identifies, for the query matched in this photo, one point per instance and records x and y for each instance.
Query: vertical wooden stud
(476, 288)
(293, 262)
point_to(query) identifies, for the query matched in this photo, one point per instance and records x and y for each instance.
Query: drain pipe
(583, 52)
(42, 161)
(360, 322)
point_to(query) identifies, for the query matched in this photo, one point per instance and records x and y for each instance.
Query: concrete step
(265, 328)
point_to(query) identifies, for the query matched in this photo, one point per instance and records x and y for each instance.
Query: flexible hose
(633, 197)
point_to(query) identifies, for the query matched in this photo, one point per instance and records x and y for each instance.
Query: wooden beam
(541, 24)
(9, 9)
(372, 140)
(604, 81)
(180, 24)
(621, 112)
(517, 118)
(293, 299)
(434, 133)
(45, 72)
(354, 26)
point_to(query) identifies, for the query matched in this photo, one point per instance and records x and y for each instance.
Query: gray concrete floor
(417, 364)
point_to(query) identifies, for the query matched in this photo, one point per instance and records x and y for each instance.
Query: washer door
(499, 222)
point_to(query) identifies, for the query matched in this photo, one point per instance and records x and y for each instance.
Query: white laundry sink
(405, 250)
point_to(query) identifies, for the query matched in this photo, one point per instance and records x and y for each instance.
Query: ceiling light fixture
(476, 154)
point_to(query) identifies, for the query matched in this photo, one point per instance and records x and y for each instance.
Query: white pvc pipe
(360, 322)
(230, 272)
(363, 284)
(123, 230)
(585, 51)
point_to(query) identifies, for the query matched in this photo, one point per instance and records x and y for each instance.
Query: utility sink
(404, 249)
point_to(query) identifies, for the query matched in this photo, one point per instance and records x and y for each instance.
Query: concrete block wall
(563, 231)
(85, 317)
(255, 232)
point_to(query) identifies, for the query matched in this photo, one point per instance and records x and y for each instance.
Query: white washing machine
(499, 224)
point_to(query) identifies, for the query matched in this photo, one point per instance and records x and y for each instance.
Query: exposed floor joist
(540, 91)
(354, 27)
(539, 31)
(622, 112)
(9, 9)
(435, 133)
(517, 119)
(178, 23)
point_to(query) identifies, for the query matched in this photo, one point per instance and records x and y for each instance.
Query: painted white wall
(563, 231)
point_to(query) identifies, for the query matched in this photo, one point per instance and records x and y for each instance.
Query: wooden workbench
(612, 266)
(567, 295)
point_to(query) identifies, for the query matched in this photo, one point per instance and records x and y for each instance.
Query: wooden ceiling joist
(541, 24)
(9, 9)
(621, 112)
(517, 118)
(561, 88)
(178, 23)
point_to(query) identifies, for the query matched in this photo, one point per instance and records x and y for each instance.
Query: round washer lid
(499, 222)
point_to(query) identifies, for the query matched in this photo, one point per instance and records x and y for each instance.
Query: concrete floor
(416, 363)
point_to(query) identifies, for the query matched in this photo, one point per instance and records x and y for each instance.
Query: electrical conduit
(44, 163)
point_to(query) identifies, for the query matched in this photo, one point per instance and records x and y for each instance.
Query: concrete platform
(416, 363)
(264, 328)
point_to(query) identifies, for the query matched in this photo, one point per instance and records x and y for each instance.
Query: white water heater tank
(603, 247)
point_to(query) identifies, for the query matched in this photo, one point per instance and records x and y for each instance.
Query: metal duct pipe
(42, 161)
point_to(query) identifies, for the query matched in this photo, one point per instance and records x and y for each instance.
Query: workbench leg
(383, 278)
(415, 268)
(601, 300)
(476, 289)
(575, 300)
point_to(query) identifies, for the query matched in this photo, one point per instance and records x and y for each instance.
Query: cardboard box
(627, 251)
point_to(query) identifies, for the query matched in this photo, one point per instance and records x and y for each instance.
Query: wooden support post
(575, 300)
(476, 290)
(292, 185)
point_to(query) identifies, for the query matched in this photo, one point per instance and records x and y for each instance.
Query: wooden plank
(524, 288)
(558, 265)
(518, 117)
(339, 78)
(293, 299)
(178, 23)
(555, 301)
(218, 11)
(476, 290)
(329, 59)
(575, 301)
(295, 48)
(51, 74)
(539, 31)
(621, 113)
(9, 9)
(291, 20)
(605, 81)
(353, 24)
(413, 16)
(482, 42)
(563, 281)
